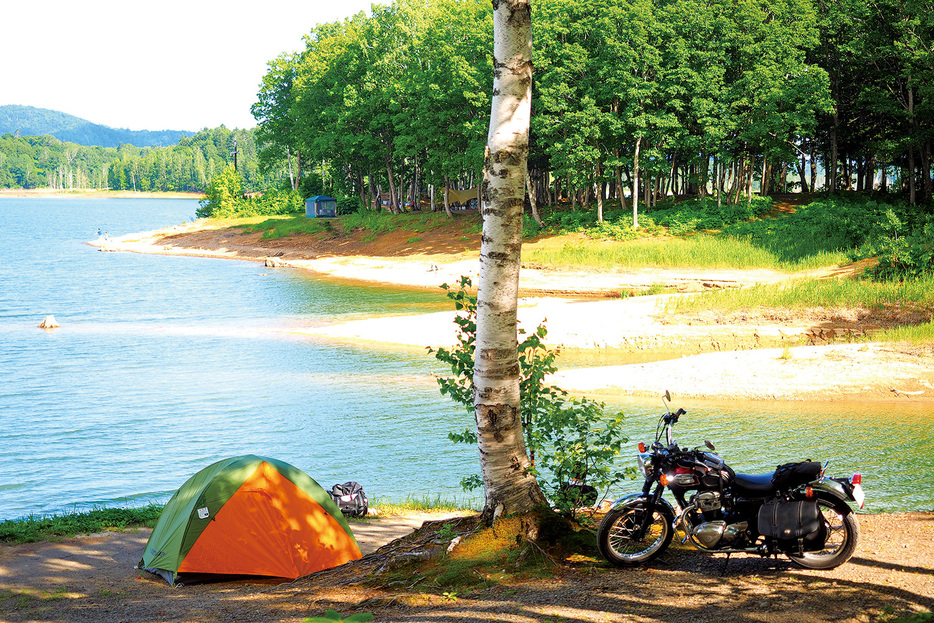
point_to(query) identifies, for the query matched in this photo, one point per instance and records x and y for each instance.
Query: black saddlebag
(791, 475)
(797, 525)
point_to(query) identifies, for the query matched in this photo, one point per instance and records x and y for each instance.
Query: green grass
(373, 224)
(917, 617)
(283, 226)
(916, 334)
(45, 527)
(699, 251)
(422, 504)
(803, 293)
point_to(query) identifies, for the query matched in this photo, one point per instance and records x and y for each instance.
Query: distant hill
(30, 121)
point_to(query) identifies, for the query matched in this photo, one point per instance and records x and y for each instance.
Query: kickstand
(726, 562)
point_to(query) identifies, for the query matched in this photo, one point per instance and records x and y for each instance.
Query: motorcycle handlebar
(672, 418)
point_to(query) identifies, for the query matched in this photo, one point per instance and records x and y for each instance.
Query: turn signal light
(642, 447)
(809, 492)
(857, 479)
(663, 479)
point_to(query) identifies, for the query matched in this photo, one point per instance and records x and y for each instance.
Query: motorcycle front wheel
(623, 542)
(842, 536)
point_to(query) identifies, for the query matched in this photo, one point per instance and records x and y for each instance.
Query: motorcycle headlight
(643, 460)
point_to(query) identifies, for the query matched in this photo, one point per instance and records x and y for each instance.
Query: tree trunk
(813, 163)
(533, 200)
(393, 197)
(831, 167)
(635, 185)
(361, 188)
(447, 198)
(764, 182)
(298, 169)
(374, 192)
(620, 189)
(599, 173)
(800, 166)
(912, 186)
(504, 461)
(926, 169)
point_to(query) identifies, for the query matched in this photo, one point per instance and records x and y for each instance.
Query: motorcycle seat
(753, 484)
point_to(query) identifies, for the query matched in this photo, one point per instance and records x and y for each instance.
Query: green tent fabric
(248, 515)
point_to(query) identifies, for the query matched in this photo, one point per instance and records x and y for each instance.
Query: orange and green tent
(248, 515)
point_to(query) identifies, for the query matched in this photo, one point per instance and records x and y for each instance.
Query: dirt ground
(92, 579)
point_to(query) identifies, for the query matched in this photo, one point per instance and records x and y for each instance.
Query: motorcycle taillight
(857, 479)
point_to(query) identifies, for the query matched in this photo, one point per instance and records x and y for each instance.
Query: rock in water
(48, 323)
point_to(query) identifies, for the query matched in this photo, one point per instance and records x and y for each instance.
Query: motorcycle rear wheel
(616, 536)
(842, 537)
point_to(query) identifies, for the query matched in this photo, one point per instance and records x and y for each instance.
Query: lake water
(164, 365)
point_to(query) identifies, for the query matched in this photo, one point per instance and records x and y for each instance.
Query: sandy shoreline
(724, 359)
(95, 193)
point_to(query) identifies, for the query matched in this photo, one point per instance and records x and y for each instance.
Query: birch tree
(504, 461)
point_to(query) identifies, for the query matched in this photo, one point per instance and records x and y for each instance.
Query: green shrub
(223, 194)
(566, 437)
(224, 199)
(852, 227)
(909, 257)
(704, 213)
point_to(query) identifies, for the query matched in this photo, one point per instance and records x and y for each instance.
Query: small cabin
(320, 206)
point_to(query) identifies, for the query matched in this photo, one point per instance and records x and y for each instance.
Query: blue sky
(166, 65)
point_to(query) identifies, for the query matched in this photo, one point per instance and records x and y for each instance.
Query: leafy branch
(571, 442)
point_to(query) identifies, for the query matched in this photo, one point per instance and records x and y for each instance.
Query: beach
(813, 355)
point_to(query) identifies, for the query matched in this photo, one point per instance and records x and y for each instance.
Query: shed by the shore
(320, 206)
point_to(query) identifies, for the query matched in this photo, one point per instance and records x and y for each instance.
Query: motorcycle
(797, 510)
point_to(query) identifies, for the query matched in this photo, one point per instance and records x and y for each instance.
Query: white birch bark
(503, 457)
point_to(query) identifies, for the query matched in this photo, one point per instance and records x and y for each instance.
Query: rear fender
(833, 491)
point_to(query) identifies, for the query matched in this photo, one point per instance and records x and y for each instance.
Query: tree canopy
(633, 99)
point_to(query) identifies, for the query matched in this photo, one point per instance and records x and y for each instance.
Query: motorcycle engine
(714, 532)
(708, 501)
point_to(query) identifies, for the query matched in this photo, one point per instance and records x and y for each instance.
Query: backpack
(350, 498)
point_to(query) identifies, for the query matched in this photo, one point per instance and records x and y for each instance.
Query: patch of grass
(915, 334)
(423, 504)
(44, 527)
(918, 617)
(414, 239)
(700, 251)
(803, 293)
(332, 615)
(284, 226)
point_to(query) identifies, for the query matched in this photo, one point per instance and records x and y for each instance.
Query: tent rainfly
(248, 515)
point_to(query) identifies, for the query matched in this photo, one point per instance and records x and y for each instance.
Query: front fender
(632, 497)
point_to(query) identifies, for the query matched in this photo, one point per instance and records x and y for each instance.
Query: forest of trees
(633, 101)
(660, 97)
(46, 162)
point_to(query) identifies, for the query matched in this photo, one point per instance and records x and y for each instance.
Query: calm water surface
(166, 364)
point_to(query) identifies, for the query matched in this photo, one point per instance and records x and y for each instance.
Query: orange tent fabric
(270, 527)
